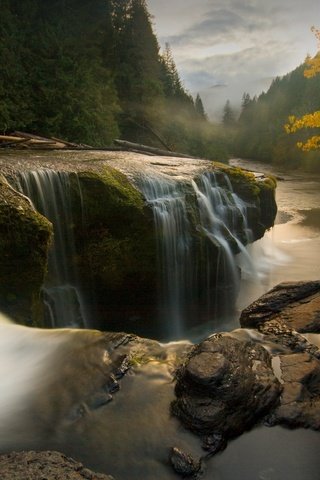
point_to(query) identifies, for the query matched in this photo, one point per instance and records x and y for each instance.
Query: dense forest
(90, 71)
(260, 134)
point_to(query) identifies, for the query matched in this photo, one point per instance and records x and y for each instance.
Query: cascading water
(50, 192)
(174, 242)
(200, 227)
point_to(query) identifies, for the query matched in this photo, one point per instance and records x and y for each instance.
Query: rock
(214, 443)
(183, 463)
(296, 304)
(225, 387)
(115, 251)
(45, 466)
(300, 398)
(25, 237)
(279, 315)
(277, 332)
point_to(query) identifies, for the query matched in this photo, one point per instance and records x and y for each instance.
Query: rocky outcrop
(279, 315)
(45, 465)
(226, 386)
(115, 254)
(231, 382)
(218, 389)
(295, 304)
(25, 237)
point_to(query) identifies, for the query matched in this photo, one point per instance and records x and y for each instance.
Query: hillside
(89, 71)
(260, 130)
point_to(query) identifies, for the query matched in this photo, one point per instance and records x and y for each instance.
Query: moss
(116, 249)
(24, 242)
(259, 192)
(243, 182)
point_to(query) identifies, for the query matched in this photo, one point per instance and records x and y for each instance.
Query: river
(131, 436)
(290, 250)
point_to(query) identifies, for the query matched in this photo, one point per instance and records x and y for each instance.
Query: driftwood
(25, 140)
(146, 149)
(19, 139)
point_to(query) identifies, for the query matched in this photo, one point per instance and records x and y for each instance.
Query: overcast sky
(223, 48)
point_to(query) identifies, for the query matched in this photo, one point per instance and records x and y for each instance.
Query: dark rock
(25, 237)
(242, 389)
(45, 466)
(296, 304)
(183, 463)
(300, 398)
(207, 368)
(214, 443)
(278, 332)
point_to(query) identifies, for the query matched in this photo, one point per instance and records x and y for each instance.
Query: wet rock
(214, 443)
(25, 236)
(278, 332)
(280, 315)
(300, 398)
(229, 395)
(184, 464)
(295, 304)
(207, 369)
(45, 466)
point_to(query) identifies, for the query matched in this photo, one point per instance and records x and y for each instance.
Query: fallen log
(18, 141)
(137, 147)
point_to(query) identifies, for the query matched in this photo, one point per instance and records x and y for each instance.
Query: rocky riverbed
(267, 372)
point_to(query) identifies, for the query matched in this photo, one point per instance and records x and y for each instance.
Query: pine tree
(200, 108)
(228, 118)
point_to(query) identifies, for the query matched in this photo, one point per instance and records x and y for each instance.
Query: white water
(27, 355)
(174, 243)
(50, 192)
(189, 284)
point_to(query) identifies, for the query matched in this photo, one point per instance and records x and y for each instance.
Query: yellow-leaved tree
(310, 120)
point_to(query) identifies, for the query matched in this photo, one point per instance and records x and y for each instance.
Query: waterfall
(174, 242)
(50, 192)
(201, 225)
(198, 277)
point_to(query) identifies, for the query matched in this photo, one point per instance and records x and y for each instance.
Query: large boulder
(226, 386)
(25, 237)
(297, 304)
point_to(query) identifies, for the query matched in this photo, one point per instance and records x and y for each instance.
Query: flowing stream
(130, 437)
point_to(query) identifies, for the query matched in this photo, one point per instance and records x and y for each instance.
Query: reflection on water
(289, 251)
(269, 454)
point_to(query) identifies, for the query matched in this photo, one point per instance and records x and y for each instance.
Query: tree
(228, 118)
(198, 105)
(310, 120)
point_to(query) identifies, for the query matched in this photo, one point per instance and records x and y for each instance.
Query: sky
(223, 48)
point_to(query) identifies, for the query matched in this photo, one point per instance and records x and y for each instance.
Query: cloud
(238, 44)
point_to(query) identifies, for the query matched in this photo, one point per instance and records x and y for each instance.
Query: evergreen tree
(260, 130)
(228, 118)
(199, 107)
(84, 69)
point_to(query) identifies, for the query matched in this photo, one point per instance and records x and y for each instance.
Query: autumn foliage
(310, 120)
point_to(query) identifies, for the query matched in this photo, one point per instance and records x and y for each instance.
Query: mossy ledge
(116, 248)
(258, 190)
(113, 228)
(24, 241)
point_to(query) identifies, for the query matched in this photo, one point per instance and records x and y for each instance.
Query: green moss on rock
(256, 190)
(115, 244)
(24, 241)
